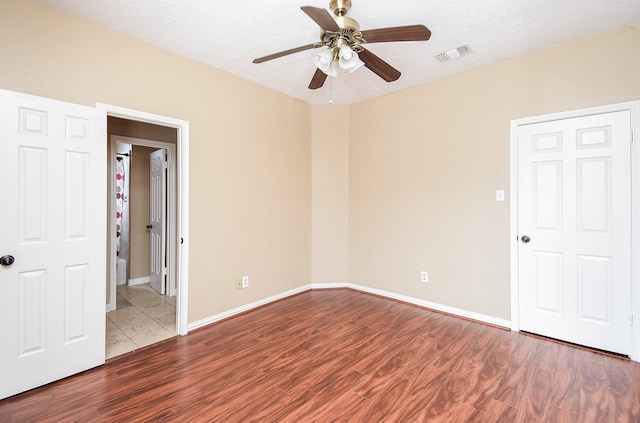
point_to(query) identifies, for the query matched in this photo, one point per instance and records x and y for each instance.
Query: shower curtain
(119, 201)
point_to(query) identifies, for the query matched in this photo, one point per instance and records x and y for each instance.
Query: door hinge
(631, 319)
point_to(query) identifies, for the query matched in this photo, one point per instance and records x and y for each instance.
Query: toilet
(121, 272)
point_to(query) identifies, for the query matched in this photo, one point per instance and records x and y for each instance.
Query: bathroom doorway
(142, 288)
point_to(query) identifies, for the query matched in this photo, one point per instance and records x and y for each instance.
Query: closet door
(53, 240)
(574, 217)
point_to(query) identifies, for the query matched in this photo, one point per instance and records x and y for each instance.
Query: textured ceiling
(228, 35)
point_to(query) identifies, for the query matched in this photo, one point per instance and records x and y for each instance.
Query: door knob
(525, 239)
(149, 226)
(7, 260)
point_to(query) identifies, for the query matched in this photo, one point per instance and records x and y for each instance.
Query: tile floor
(142, 317)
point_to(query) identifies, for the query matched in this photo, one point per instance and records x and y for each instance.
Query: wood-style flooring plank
(536, 397)
(343, 356)
(496, 411)
(381, 404)
(623, 395)
(565, 391)
(595, 402)
(493, 358)
(512, 385)
(324, 398)
(415, 402)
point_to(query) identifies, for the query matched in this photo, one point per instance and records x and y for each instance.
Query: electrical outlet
(424, 277)
(238, 283)
(245, 281)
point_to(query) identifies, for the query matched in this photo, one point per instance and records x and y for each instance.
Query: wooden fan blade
(322, 17)
(379, 66)
(286, 52)
(318, 80)
(397, 33)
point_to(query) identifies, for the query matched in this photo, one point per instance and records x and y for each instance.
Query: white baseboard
(138, 281)
(410, 300)
(422, 303)
(109, 307)
(243, 309)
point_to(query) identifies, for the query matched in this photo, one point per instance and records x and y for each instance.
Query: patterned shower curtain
(119, 201)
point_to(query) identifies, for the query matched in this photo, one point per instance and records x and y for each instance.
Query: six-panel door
(53, 214)
(574, 204)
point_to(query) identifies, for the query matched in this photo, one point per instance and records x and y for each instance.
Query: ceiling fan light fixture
(349, 60)
(346, 53)
(326, 63)
(323, 60)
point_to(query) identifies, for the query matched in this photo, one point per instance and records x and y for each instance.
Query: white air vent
(454, 53)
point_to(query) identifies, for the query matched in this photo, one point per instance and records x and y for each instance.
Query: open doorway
(143, 284)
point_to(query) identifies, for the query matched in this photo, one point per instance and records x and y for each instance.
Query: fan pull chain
(331, 90)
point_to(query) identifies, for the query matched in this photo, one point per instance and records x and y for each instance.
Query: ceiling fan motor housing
(345, 22)
(340, 7)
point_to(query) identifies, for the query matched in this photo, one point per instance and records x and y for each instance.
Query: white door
(574, 226)
(157, 220)
(53, 214)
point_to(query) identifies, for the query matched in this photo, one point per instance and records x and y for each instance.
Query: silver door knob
(7, 260)
(525, 239)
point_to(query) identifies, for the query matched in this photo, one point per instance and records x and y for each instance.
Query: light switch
(500, 195)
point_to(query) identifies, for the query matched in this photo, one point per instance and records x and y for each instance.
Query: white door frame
(182, 196)
(634, 108)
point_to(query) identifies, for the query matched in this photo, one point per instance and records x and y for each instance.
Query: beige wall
(330, 202)
(143, 130)
(411, 175)
(425, 164)
(249, 148)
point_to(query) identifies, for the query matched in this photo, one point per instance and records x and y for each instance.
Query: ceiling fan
(344, 44)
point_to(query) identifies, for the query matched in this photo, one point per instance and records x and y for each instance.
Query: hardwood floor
(344, 356)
